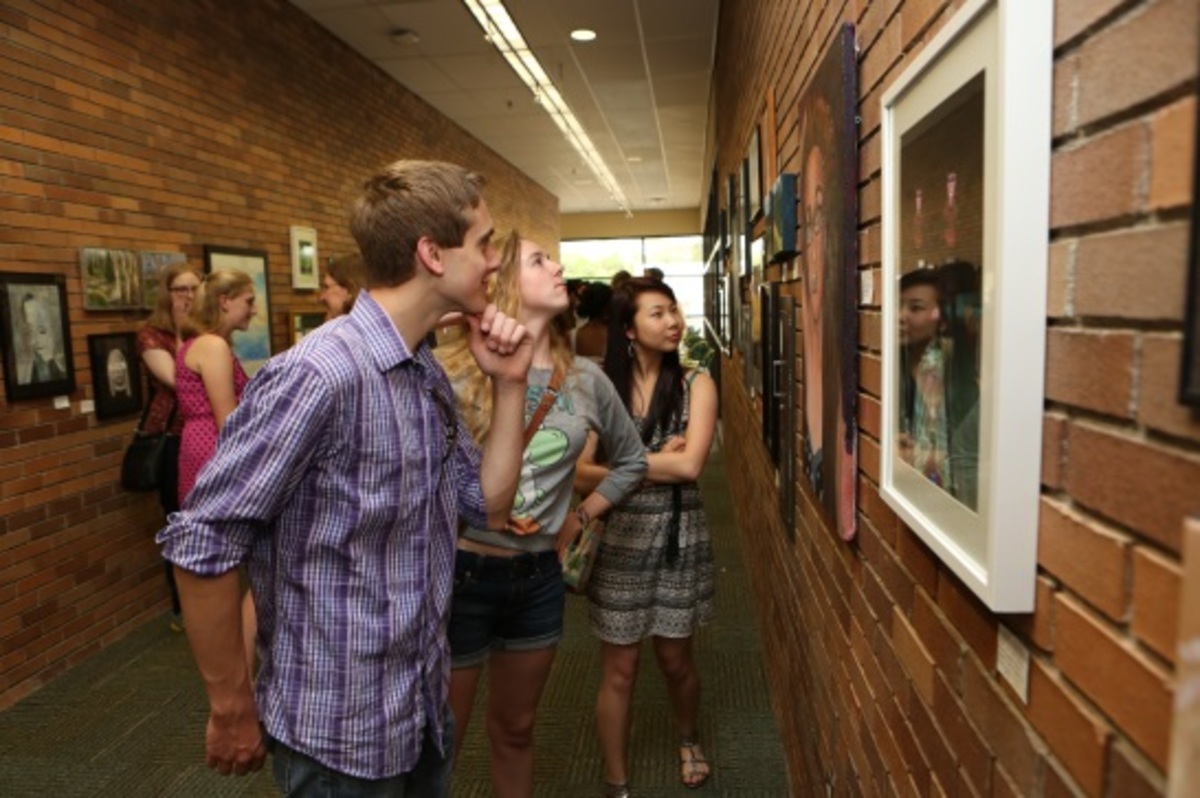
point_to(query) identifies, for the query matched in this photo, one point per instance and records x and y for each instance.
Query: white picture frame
(973, 500)
(305, 271)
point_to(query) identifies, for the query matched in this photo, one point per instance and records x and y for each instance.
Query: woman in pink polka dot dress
(208, 376)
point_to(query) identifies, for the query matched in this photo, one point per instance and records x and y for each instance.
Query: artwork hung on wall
(36, 336)
(828, 270)
(153, 264)
(1189, 376)
(964, 279)
(116, 374)
(753, 182)
(301, 324)
(304, 259)
(780, 212)
(112, 279)
(253, 346)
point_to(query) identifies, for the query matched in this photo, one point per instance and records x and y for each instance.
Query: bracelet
(582, 515)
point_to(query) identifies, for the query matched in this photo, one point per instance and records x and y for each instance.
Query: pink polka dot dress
(199, 439)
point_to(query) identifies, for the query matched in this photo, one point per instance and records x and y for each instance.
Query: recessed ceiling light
(634, 159)
(583, 34)
(405, 37)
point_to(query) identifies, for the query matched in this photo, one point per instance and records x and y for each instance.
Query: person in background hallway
(209, 381)
(157, 341)
(654, 273)
(591, 337)
(619, 278)
(508, 588)
(653, 576)
(343, 279)
(340, 481)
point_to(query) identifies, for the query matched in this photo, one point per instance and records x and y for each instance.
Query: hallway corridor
(130, 721)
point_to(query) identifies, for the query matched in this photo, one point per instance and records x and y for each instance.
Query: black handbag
(145, 460)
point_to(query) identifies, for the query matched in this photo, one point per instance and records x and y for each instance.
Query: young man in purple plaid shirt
(339, 482)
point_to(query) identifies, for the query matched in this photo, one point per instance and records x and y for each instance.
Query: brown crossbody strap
(548, 397)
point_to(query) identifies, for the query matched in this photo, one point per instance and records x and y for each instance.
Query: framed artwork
(753, 178)
(253, 346)
(301, 324)
(966, 192)
(36, 336)
(304, 259)
(152, 265)
(780, 213)
(116, 374)
(112, 279)
(828, 272)
(1189, 374)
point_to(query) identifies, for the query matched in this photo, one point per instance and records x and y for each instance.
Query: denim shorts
(504, 604)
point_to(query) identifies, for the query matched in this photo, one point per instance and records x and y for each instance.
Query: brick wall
(153, 125)
(882, 663)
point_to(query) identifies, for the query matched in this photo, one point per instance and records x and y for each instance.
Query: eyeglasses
(183, 289)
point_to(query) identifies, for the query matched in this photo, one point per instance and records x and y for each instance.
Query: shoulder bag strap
(548, 397)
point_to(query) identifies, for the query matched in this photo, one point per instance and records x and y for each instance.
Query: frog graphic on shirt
(548, 447)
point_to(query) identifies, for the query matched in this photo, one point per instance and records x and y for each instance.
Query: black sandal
(694, 769)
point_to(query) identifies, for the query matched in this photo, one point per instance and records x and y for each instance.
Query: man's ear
(429, 255)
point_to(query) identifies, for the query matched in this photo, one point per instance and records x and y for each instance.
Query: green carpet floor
(130, 721)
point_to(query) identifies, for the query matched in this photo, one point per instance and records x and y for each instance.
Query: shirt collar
(379, 335)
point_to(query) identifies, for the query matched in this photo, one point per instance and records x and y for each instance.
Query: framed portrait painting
(36, 336)
(116, 374)
(827, 216)
(966, 185)
(112, 279)
(304, 258)
(253, 346)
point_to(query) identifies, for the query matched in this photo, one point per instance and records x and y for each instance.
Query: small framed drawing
(116, 374)
(36, 336)
(966, 187)
(304, 323)
(304, 258)
(112, 279)
(253, 346)
(153, 264)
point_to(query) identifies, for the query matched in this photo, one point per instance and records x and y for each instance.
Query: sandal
(616, 790)
(693, 768)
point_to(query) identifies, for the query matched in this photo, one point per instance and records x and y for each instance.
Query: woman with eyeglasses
(508, 602)
(157, 341)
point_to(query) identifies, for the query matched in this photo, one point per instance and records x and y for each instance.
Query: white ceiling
(640, 90)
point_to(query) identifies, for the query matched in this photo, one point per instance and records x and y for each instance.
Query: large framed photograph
(826, 192)
(36, 336)
(304, 258)
(112, 279)
(253, 346)
(116, 374)
(966, 185)
(153, 264)
(1189, 375)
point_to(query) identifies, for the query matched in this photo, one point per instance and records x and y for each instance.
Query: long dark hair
(666, 403)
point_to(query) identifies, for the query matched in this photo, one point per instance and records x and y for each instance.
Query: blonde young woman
(507, 607)
(653, 576)
(209, 380)
(157, 342)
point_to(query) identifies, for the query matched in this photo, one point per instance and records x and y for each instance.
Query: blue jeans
(300, 776)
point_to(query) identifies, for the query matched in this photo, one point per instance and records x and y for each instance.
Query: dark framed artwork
(780, 212)
(116, 374)
(1189, 374)
(36, 336)
(253, 346)
(112, 279)
(828, 266)
(301, 324)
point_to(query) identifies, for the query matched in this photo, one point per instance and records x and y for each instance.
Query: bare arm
(212, 607)
(162, 365)
(589, 473)
(685, 466)
(211, 358)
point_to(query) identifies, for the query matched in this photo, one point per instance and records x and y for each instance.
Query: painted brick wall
(142, 124)
(882, 664)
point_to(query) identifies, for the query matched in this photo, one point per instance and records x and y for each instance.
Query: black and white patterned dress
(635, 592)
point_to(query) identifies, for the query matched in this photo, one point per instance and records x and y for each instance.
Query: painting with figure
(828, 243)
(116, 374)
(35, 336)
(940, 315)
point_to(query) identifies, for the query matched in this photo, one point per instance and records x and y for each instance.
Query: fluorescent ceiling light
(504, 35)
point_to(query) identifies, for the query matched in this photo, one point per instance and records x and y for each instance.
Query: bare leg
(463, 684)
(683, 686)
(515, 684)
(613, 704)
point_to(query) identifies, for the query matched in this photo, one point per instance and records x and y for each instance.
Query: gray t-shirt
(586, 402)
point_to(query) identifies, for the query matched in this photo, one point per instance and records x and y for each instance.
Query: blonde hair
(206, 308)
(472, 386)
(163, 317)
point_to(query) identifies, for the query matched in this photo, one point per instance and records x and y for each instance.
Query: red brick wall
(142, 124)
(882, 664)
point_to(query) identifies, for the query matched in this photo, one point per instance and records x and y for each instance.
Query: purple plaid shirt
(340, 479)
